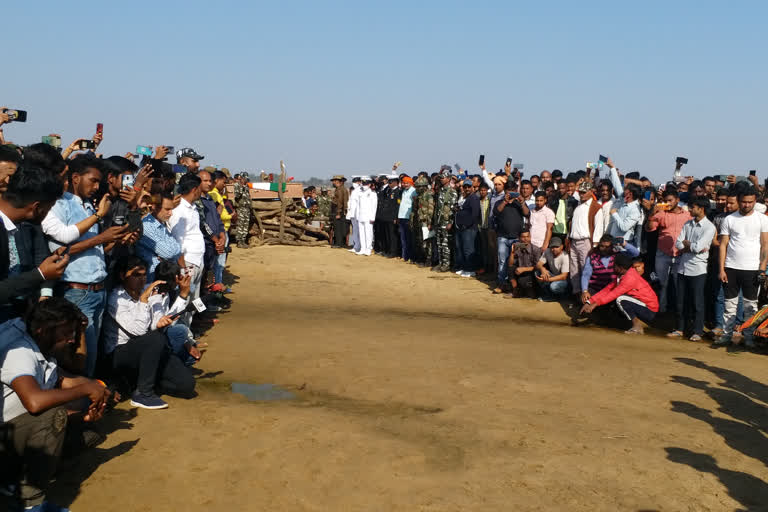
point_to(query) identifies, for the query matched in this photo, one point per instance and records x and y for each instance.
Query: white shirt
(580, 221)
(9, 225)
(20, 357)
(159, 305)
(133, 315)
(602, 219)
(54, 227)
(353, 203)
(368, 201)
(743, 252)
(185, 228)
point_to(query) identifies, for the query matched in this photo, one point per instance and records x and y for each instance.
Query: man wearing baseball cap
(189, 158)
(552, 272)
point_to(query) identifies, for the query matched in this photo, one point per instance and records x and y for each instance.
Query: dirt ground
(423, 392)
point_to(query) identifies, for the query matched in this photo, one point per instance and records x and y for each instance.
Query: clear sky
(354, 86)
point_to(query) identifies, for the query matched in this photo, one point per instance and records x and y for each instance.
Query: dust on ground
(419, 391)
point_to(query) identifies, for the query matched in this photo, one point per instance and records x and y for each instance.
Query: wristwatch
(98, 217)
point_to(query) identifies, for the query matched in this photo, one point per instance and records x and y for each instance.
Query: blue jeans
(220, 263)
(91, 304)
(720, 307)
(178, 335)
(466, 256)
(667, 272)
(405, 239)
(504, 247)
(553, 290)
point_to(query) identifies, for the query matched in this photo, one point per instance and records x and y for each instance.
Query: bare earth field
(423, 392)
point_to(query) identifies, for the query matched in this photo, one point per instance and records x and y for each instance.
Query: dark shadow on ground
(740, 419)
(73, 472)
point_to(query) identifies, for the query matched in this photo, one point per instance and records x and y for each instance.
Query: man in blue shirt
(83, 280)
(156, 243)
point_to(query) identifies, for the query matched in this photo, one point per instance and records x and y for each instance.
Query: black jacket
(32, 249)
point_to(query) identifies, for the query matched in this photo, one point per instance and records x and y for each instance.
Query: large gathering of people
(110, 267)
(687, 256)
(110, 270)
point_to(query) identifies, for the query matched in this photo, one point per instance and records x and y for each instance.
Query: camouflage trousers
(443, 246)
(425, 246)
(243, 224)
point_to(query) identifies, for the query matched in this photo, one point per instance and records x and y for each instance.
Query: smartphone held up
(20, 116)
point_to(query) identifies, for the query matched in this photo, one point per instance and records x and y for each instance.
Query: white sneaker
(468, 274)
(459, 272)
(351, 250)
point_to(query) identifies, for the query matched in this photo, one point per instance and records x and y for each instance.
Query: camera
(87, 144)
(20, 116)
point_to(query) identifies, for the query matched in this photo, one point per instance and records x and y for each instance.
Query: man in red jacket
(633, 295)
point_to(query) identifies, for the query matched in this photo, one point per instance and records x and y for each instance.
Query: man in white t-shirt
(743, 259)
(552, 272)
(36, 394)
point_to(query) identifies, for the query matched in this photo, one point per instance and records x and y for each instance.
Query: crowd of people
(109, 270)
(688, 255)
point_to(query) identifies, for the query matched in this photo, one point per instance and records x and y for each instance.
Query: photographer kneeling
(137, 342)
(173, 300)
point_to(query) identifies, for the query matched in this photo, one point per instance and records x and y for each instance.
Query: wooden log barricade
(278, 219)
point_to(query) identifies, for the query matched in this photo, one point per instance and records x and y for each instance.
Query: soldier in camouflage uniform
(242, 202)
(421, 215)
(444, 210)
(324, 208)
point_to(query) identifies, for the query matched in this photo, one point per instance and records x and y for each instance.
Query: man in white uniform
(366, 214)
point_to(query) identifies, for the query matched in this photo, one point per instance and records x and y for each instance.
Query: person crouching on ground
(633, 295)
(522, 263)
(172, 300)
(552, 272)
(137, 343)
(37, 396)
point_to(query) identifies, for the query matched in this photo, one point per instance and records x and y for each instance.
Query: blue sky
(354, 86)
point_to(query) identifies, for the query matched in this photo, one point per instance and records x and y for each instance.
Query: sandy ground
(423, 392)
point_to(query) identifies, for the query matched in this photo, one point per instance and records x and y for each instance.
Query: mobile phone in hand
(128, 180)
(753, 172)
(481, 161)
(100, 128)
(681, 160)
(20, 116)
(509, 162)
(87, 144)
(603, 159)
(144, 150)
